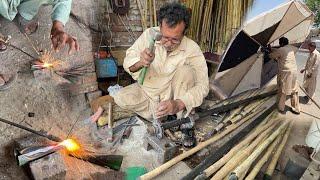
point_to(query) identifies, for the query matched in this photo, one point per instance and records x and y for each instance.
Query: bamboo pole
(238, 172)
(154, 13)
(150, 13)
(276, 156)
(305, 92)
(216, 166)
(224, 124)
(265, 158)
(143, 21)
(165, 166)
(231, 164)
(145, 12)
(249, 109)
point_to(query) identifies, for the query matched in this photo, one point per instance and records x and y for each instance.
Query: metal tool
(154, 37)
(165, 148)
(39, 133)
(121, 132)
(33, 153)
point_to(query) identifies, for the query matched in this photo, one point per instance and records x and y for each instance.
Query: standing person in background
(311, 71)
(287, 75)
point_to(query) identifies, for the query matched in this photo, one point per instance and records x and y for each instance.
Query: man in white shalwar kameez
(311, 71)
(287, 75)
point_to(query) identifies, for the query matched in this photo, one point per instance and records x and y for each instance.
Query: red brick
(89, 78)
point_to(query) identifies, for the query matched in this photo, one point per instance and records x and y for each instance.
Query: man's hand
(169, 107)
(146, 57)
(302, 70)
(60, 38)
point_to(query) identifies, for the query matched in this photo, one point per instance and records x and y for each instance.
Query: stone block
(88, 78)
(51, 167)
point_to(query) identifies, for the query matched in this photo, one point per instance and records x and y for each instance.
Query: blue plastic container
(106, 67)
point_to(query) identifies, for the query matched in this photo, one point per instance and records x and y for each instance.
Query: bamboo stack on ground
(248, 114)
(243, 167)
(276, 156)
(235, 160)
(216, 166)
(270, 151)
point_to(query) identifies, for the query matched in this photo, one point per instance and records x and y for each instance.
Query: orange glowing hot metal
(71, 145)
(47, 65)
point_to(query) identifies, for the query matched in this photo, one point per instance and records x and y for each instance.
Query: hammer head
(155, 34)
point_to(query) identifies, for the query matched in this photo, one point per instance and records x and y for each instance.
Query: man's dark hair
(173, 14)
(283, 41)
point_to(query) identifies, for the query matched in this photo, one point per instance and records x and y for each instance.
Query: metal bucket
(106, 67)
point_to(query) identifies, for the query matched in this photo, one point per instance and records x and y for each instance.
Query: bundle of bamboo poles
(243, 111)
(214, 22)
(148, 13)
(241, 162)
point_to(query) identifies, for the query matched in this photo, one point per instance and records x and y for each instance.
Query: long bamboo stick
(249, 109)
(154, 13)
(247, 163)
(305, 92)
(264, 159)
(143, 21)
(216, 166)
(150, 13)
(224, 124)
(231, 164)
(276, 156)
(165, 166)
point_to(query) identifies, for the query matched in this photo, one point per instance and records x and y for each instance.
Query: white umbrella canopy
(237, 71)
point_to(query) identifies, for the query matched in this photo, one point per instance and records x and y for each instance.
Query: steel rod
(50, 137)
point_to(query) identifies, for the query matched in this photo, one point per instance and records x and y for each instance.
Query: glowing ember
(47, 65)
(70, 144)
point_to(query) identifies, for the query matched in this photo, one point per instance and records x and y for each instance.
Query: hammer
(155, 36)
